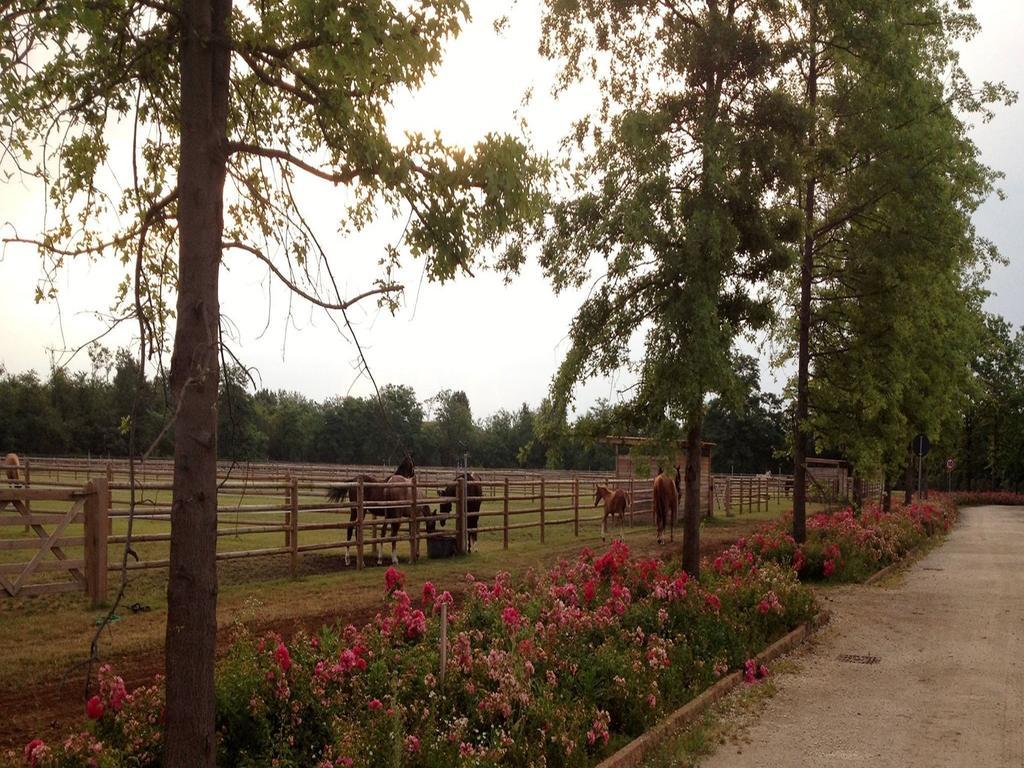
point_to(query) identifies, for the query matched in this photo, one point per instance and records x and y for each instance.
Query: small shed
(828, 478)
(627, 467)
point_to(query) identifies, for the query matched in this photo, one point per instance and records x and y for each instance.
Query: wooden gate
(86, 507)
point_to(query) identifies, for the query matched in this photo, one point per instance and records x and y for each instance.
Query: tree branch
(343, 305)
(240, 147)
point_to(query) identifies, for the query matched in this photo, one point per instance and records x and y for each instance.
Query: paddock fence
(72, 511)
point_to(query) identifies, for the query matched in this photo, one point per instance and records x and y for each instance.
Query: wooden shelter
(828, 479)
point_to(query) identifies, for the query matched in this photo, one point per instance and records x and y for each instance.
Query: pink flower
(94, 708)
(713, 602)
(830, 568)
(412, 744)
(512, 618)
(429, 593)
(798, 560)
(415, 625)
(762, 671)
(375, 704)
(393, 579)
(282, 657)
(589, 591)
(34, 751)
(445, 599)
(750, 671)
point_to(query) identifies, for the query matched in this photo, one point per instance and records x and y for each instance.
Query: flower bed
(554, 671)
(841, 546)
(986, 498)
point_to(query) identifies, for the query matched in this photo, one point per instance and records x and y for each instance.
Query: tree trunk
(691, 497)
(887, 495)
(192, 582)
(800, 439)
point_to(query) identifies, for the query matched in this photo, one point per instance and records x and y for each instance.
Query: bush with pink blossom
(842, 545)
(556, 671)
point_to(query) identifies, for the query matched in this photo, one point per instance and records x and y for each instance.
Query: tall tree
(678, 197)
(454, 420)
(212, 112)
(889, 181)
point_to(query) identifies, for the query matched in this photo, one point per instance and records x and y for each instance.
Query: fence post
(576, 507)
(461, 534)
(414, 524)
(632, 491)
(97, 506)
(28, 484)
(359, 524)
(542, 510)
(293, 525)
(504, 514)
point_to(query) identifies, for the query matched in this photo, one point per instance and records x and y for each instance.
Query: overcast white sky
(499, 343)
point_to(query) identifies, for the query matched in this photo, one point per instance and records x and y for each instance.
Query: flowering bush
(841, 546)
(986, 498)
(549, 672)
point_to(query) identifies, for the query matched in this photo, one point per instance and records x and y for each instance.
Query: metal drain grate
(852, 658)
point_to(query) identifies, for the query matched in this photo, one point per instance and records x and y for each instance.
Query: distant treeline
(88, 413)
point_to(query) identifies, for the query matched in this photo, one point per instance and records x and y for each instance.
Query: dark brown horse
(396, 488)
(615, 503)
(474, 494)
(666, 503)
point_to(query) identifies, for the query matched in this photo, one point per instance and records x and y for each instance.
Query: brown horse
(615, 503)
(12, 466)
(474, 494)
(397, 487)
(666, 504)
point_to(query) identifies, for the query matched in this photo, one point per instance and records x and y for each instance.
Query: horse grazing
(397, 487)
(12, 467)
(666, 503)
(615, 503)
(474, 494)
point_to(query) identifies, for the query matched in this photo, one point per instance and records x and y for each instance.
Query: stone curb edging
(635, 751)
(891, 568)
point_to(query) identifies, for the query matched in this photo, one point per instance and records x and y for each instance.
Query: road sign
(920, 445)
(951, 464)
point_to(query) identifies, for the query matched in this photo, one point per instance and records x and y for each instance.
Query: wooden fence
(288, 516)
(86, 513)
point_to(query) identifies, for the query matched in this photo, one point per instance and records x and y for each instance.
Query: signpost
(950, 468)
(920, 445)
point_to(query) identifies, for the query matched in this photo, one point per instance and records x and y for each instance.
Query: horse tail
(337, 493)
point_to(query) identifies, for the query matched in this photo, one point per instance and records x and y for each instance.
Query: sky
(500, 343)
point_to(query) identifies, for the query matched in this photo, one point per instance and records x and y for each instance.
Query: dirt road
(948, 686)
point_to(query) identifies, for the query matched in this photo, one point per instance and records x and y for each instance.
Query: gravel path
(948, 689)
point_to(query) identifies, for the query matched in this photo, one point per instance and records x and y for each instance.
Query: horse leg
(394, 539)
(348, 533)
